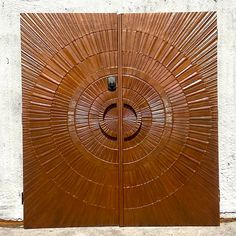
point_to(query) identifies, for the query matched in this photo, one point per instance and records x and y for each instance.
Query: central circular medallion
(109, 122)
(146, 120)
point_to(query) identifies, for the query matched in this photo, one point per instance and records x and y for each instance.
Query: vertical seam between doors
(120, 121)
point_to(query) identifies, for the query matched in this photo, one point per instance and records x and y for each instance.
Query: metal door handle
(111, 83)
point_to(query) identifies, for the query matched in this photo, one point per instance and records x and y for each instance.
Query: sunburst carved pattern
(70, 119)
(70, 171)
(170, 172)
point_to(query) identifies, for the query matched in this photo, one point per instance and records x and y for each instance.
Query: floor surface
(225, 229)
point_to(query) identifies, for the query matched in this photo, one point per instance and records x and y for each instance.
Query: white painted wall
(10, 86)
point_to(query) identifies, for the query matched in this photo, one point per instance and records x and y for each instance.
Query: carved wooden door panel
(143, 154)
(170, 166)
(70, 166)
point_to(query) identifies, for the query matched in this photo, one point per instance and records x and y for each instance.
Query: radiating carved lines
(173, 66)
(109, 122)
(169, 117)
(95, 107)
(152, 118)
(62, 55)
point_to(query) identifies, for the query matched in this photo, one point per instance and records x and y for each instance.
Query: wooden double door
(142, 152)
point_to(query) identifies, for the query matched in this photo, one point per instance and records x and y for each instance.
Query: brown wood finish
(145, 154)
(70, 167)
(169, 75)
(120, 123)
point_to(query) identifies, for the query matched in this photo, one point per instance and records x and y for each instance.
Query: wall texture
(10, 86)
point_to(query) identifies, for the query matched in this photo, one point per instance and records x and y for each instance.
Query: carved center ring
(109, 122)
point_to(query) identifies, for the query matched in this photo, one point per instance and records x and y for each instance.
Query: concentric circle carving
(156, 118)
(169, 113)
(109, 122)
(96, 118)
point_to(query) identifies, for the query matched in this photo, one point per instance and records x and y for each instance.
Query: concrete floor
(225, 229)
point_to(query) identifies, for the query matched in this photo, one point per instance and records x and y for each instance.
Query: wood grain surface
(144, 154)
(170, 74)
